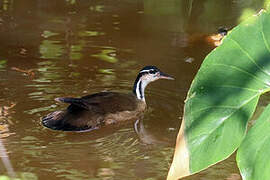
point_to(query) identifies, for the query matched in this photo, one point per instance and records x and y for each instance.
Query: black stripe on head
(143, 71)
(149, 69)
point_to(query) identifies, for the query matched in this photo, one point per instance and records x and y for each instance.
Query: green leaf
(253, 155)
(223, 97)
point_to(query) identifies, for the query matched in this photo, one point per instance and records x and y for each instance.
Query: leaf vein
(224, 119)
(249, 56)
(263, 35)
(237, 87)
(210, 107)
(242, 70)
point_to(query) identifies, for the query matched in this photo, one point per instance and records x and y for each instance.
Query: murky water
(52, 49)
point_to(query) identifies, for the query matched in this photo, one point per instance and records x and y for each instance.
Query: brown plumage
(103, 108)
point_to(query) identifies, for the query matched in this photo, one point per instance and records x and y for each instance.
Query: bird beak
(165, 76)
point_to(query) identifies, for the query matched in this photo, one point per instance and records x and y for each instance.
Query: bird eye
(152, 71)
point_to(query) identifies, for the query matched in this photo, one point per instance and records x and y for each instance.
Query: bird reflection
(145, 135)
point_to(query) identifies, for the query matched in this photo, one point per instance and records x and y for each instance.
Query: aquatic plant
(221, 101)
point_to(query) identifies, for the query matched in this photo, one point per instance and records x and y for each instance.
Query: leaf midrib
(249, 56)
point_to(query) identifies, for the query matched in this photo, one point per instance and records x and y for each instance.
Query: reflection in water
(97, 8)
(107, 55)
(90, 33)
(81, 47)
(6, 161)
(95, 159)
(51, 49)
(47, 34)
(145, 136)
(2, 64)
(5, 116)
(6, 120)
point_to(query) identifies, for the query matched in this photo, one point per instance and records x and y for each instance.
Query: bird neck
(139, 86)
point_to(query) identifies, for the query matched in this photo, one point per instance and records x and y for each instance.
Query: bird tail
(54, 120)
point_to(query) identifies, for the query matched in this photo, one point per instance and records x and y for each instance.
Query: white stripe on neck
(140, 90)
(140, 86)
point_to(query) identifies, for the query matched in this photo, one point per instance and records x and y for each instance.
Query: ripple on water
(51, 49)
(115, 154)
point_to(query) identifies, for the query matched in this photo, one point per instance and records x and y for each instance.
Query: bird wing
(85, 102)
(109, 102)
(79, 102)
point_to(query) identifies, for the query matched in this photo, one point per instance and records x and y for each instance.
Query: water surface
(74, 48)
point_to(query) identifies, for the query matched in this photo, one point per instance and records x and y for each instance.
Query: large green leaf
(223, 97)
(253, 155)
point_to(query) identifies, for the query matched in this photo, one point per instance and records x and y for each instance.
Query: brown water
(76, 48)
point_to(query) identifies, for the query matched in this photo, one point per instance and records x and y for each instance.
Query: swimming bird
(104, 108)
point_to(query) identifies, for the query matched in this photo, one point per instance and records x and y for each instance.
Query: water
(74, 48)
